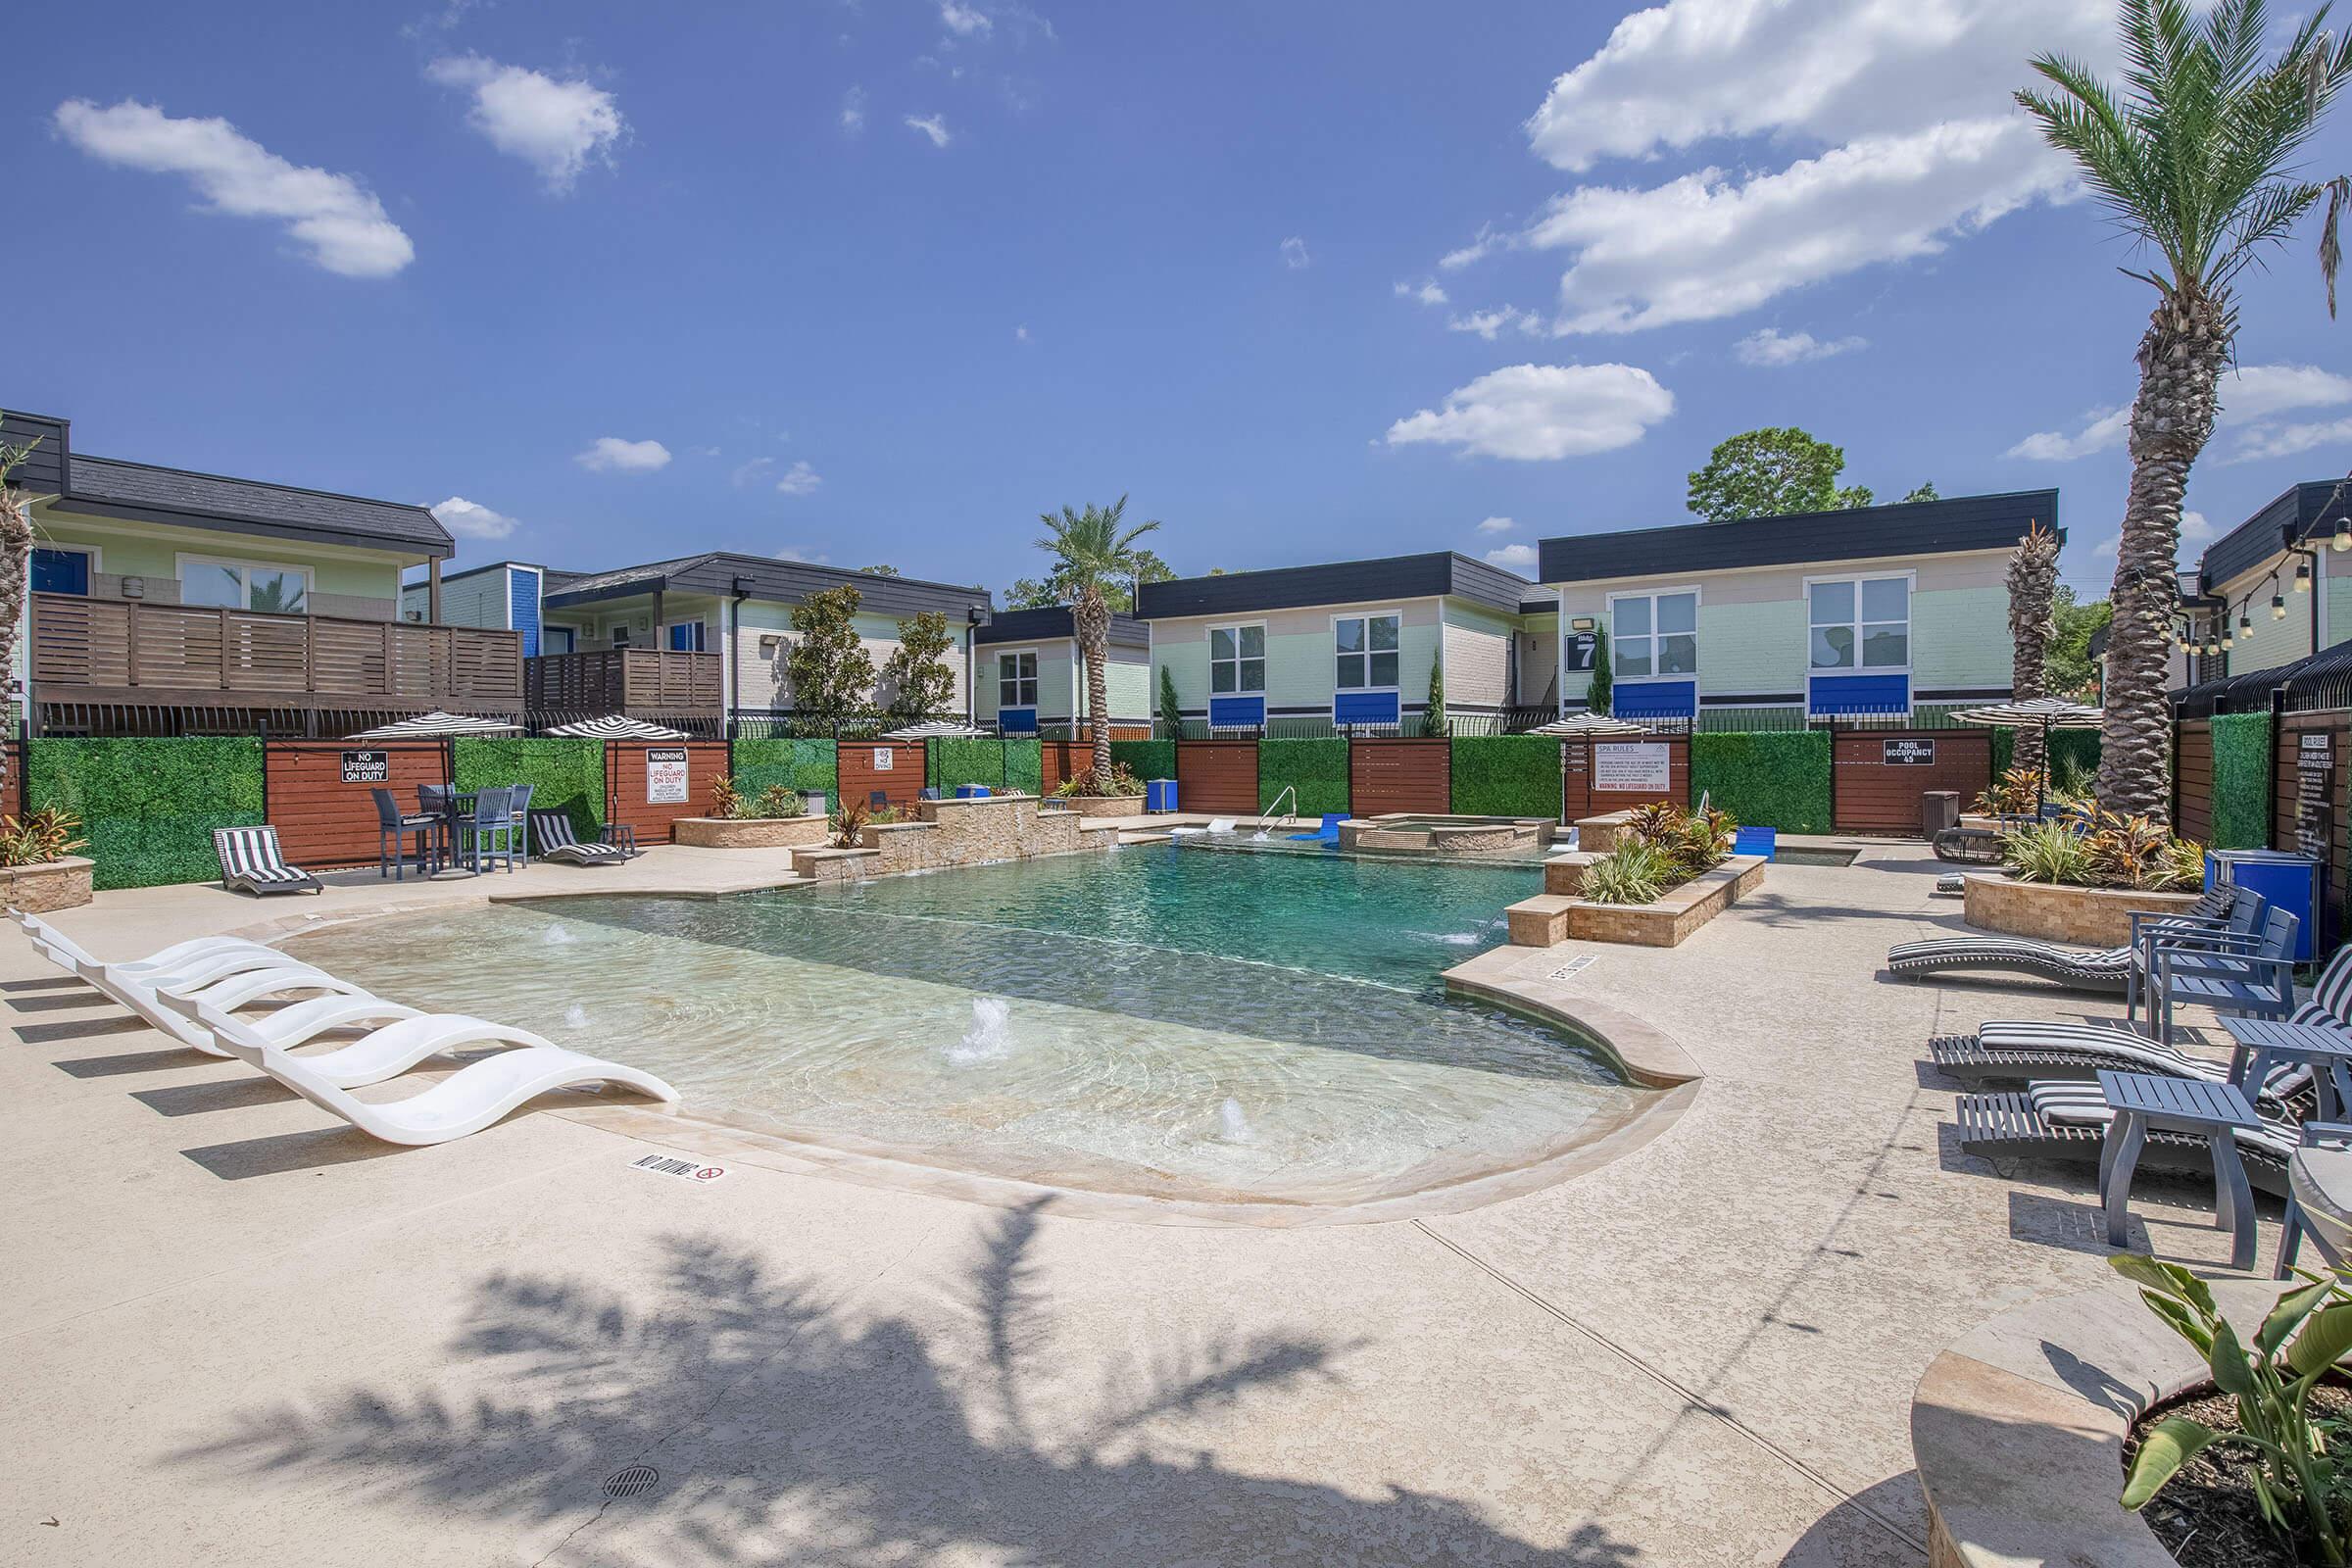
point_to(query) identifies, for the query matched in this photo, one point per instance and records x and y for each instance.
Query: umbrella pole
(2041, 774)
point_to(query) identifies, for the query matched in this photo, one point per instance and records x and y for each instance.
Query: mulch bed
(2206, 1515)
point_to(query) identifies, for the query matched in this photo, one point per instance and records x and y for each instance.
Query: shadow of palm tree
(786, 1428)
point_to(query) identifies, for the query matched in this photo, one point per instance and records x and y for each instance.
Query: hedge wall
(800, 765)
(148, 806)
(1506, 775)
(566, 773)
(1146, 760)
(2078, 749)
(1764, 779)
(1316, 768)
(950, 762)
(1025, 766)
(2242, 781)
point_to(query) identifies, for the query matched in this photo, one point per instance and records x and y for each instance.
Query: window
(1017, 678)
(244, 585)
(62, 569)
(558, 640)
(1366, 653)
(1860, 624)
(620, 634)
(1653, 634)
(1237, 658)
(686, 637)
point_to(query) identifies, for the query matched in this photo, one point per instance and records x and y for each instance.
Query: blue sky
(881, 282)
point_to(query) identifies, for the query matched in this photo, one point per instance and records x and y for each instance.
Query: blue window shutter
(1237, 712)
(1654, 699)
(1858, 694)
(1364, 708)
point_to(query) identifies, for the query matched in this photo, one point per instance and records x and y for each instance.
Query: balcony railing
(641, 681)
(123, 651)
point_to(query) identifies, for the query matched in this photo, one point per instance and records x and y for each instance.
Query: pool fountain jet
(575, 1016)
(990, 1036)
(558, 935)
(1233, 1127)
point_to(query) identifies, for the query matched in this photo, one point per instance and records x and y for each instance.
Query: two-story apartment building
(690, 639)
(163, 600)
(1347, 643)
(2274, 589)
(1031, 678)
(1887, 611)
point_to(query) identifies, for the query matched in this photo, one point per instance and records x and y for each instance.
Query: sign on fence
(884, 759)
(665, 775)
(1631, 768)
(367, 767)
(1908, 753)
(2315, 761)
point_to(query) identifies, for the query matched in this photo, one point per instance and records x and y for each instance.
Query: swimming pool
(1155, 1020)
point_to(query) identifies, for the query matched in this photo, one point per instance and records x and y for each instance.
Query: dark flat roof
(1053, 622)
(1342, 582)
(786, 581)
(1858, 533)
(2291, 516)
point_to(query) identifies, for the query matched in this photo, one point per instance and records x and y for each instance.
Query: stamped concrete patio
(239, 1335)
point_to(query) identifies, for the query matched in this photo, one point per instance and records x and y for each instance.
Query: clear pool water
(1224, 1027)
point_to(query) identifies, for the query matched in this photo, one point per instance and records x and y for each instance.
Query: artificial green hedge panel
(2242, 781)
(1316, 768)
(566, 773)
(1764, 778)
(797, 764)
(1024, 766)
(148, 806)
(1146, 760)
(951, 762)
(1506, 775)
(2073, 753)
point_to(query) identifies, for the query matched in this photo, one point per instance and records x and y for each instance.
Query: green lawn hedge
(148, 806)
(2242, 781)
(1316, 768)
(1146, 760)
(1025, 766)
(566, 773)
(1764, 778)
(797, 764)
(1506, 775)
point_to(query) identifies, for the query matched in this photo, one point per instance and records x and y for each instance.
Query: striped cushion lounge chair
(2069, 1121)
(551, 831)
(250, 863)
(2089, 969)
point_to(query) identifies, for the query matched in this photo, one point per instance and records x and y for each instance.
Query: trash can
(1160, 795)
(2291, 881)
(1938, 810)
(816, 802)
(971, 792)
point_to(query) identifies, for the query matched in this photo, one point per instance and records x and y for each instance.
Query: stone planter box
(2088, 917)
(1550, 919)
(40, 889)
(1103, 805)
(750, 832)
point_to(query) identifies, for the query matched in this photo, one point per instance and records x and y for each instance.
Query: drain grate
(634, 1482)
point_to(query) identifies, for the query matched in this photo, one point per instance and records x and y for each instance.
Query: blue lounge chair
(1756, 841)
(1329, 832)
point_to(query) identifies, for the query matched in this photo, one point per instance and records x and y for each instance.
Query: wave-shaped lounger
(2067, 1121)
(551, 831)
(465, 1101)
(2079, 968)
(228, 994)
(2075, 1052)
(177, 959)
(380, 1054)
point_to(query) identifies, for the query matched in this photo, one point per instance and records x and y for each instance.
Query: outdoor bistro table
(2326, 1049)
(2145, 1102)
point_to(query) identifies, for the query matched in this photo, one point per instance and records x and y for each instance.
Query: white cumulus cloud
(800, 479)
(2102, 429)
(803, 553)
(746, 472)
(963, 19)
(555, 126)
(469, 520)
(339, 225)
(1771, 347)
(1513, 558)
(1497, 525)
(1536, 412)
(934, 126)
(853, 111)
(2286, 440)
(1426, 291)
(1489, 325)
(612, 455)
(1294, 253)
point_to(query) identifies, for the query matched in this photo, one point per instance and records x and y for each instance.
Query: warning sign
(367, 767)
(1907, 753)
(665, 775)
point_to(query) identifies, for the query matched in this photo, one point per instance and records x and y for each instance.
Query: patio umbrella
(614, 727)
(436, 727)
(1586, 725)
(2044, 714)
(937, 729)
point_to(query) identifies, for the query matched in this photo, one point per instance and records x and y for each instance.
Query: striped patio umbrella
(614, 727)
(1586, 725)
(937, 729)
(436, 727)
(2044, 714)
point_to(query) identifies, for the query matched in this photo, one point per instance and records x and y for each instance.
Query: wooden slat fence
(1217, 776)
(626, 773)
(1873, 795)
(1400, 775)
(320, 820)
(2192, 779)
(861, 769)
(1580, 799)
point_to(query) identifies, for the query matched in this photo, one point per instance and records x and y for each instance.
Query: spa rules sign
(665, 775)
(1635, 767)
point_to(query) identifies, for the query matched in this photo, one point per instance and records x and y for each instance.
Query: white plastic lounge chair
(228, 995)
(180, 954)
(551, 832)
(251, 862)
(468, 1100)
(378, 1055)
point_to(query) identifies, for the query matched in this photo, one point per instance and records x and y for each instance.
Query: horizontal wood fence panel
(1580, 799)
(1217, 776)
(2193, 762)
(321, 820)
(1875, 795)
(625, 786)
(1062, 760)
(1386, 776)
(859, 767)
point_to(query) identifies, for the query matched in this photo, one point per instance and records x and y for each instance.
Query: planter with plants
(2079, 879)
(1668, 871)
(1119, 794)
(39, 872)
(776, 819)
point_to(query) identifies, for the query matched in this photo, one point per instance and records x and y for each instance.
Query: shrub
(1771, 778)
(1120, 782)
(1686, 841)
(149, 806)
(565, 774)
(1506, 775)
(2242, 781)
(1630, 873)
(1147, 760)
(849, 821)
(2048, 852)
(797, 764)
(1025, 765)
(42, 838)
(2012, 794)
(1317, 769)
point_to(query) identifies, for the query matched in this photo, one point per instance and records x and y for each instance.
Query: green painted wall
(151, 550)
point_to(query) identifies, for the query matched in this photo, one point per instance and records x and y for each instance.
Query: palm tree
(2194, 159)
(2032, 587)
(16, 560)
(1091, 548)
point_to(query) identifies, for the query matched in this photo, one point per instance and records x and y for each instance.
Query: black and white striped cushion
(251, 854)
(2084, 1105)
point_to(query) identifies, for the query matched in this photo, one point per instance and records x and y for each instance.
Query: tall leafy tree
(1763, 473)
(1039, 593)
(2194, 156)
(1093, 550)
(16, 559)
(921, 680)
(2071, 670)
(2033, 589)
(1601, 693)
(832, 674)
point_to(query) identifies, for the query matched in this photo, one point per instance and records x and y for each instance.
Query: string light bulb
(2277, 606)
(2343, 534)
(2302, 576)
(2246, 624)
(2228, 637)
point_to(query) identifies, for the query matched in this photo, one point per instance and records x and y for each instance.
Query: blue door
(686, 637)
(61, 571)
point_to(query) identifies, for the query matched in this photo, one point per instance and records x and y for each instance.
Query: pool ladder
(1289, 818)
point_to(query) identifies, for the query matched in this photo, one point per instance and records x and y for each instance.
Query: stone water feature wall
(949, 833)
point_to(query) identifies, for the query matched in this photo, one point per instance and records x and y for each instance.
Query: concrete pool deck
(240, 1334)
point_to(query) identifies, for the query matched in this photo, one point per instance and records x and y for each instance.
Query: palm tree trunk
(2032, 583)
(2180, 357)
(16, 568)
(1093, 618)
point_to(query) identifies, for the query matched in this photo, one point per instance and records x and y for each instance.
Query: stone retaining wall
(750, 832)
(962, 832)
(2091, 917)
(44, 889)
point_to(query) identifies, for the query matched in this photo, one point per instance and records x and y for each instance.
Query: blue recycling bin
(1160, 795)
(2291, 881)
(971, 792)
